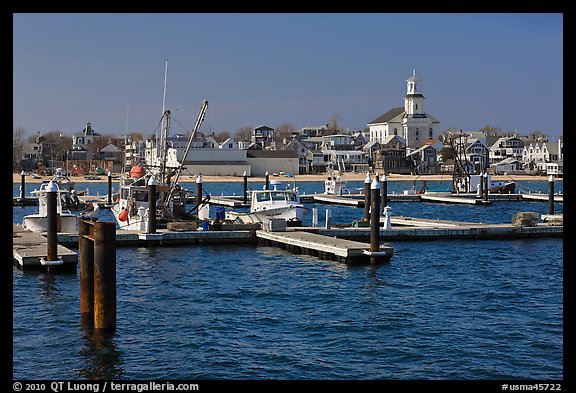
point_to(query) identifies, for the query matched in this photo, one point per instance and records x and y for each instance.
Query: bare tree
(334, 125)
(538, 135)
(491, 130)
(17, 147)
(244, 133)
(221, 136)
(284, 132)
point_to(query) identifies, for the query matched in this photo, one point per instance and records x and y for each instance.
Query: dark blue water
(474, 310)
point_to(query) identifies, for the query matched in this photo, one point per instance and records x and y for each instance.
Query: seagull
(91, 211)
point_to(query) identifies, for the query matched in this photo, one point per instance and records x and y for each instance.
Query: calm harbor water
(440, 310)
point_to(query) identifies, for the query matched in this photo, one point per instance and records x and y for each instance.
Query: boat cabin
(272, 199)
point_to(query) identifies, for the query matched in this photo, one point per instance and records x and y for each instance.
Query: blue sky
(477, 69)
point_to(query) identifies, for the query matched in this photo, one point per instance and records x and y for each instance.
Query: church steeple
(414, 100)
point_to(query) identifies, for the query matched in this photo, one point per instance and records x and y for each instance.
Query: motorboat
(268, 204)
(66, 221)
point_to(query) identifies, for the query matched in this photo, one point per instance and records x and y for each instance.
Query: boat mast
(163, 146)
(197, 125)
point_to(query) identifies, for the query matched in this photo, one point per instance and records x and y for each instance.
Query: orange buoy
(123, 216)
(137, 172)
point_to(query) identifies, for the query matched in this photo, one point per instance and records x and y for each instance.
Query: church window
(416, 106)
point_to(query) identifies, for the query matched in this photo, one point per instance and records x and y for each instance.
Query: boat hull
(292, 214)
(39, 223)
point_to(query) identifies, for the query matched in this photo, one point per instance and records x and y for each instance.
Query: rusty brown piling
(97, 249)
(86, 272)
(105, 276)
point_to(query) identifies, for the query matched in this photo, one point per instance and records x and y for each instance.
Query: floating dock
(325, 247)
(339, 200)
(443, 231)
(28, 248)
(453, 199)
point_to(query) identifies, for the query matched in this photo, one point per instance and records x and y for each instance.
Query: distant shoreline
(16, 178)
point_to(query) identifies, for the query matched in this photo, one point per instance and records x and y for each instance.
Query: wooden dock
(339, 200)
(453, 199)
(29, 247)
(326, 247)
(542, 197)
(444, 231)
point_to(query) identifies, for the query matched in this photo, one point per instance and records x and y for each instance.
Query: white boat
(66, 221)
(266, 205)
(471, 184)
(335, 185)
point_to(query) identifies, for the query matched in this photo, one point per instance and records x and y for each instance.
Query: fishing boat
(66, 221)
(131, 208)
(266, 205)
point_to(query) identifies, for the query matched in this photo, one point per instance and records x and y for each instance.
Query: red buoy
(123, 216)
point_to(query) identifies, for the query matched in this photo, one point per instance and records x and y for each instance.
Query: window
(263, 196)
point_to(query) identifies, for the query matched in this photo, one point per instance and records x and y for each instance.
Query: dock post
(267, 185)
(387, 224)
(245, 198)
(314, 216)
(199, 190)
(486, 185)
(480, 186)
(551, 195)
(109, 188)
(22, 187)
(384, 185)
(367, 182)
(152, 183)
(105, 276)
(328, 219)
(52, 225)
(86, 273)
(375, 219)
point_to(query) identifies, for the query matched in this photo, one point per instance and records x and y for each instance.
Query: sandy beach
(17, 178)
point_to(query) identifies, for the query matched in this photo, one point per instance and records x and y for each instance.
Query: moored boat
(266, 205)
(66, 221)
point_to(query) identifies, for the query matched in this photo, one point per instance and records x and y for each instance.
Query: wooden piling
(109, 188)
(199, 191)
(152, 184)
(367, 182)
(375, 219)
(551, 195)
(267, 185)
(384, 198)
(86, 272)
(105, 276)
(245, 195)
(52, 226)
(22, 186)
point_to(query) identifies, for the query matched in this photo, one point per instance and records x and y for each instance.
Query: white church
(411, 122)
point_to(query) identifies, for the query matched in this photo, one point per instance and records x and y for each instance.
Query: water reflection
(102, 359)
